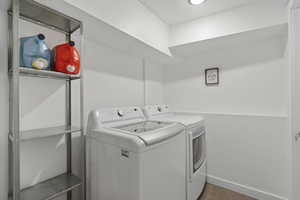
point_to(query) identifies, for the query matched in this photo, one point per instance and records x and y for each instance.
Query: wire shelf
(51, 188)
(24, 71)
(39, 14)
(47, 132)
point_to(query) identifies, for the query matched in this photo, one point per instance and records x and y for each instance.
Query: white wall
(131, 17)
(241, 19)
(246, 116)
(247, 71)
(154, 93)
(111, 78)
(248, 154)
(242, 89)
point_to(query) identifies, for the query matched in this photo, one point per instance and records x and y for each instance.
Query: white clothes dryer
(196, 144)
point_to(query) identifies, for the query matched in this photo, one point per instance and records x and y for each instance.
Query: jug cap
(72, 43)
(41, 36)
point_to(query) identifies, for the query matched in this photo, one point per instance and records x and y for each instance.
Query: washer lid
(141, 127)
(152, 132)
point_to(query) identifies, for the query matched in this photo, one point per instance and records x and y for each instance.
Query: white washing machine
(196, 145)
(130, 158)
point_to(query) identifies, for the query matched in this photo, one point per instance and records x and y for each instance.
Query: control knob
(120, 113)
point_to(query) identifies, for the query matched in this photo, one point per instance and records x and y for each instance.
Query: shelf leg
(14, 145)
(82, 136)
(69, 135)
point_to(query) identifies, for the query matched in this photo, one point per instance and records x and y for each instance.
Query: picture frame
(212, 76)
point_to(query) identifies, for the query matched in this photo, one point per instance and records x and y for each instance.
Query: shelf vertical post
(14, 132)
(82, 136)
(68, 135)
(68, 125)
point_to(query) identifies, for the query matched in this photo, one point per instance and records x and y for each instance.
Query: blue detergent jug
(35, 53)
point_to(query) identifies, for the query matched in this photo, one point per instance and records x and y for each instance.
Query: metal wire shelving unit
(37, 13)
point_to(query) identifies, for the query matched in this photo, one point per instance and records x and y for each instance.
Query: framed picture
(212, 76)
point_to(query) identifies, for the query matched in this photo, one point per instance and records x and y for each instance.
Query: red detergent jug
(66, 58)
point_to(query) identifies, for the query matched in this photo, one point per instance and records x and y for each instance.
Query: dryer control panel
(152, 110)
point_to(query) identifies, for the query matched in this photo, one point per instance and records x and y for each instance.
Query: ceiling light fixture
(196, 2)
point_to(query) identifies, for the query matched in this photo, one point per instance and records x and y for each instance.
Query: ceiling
(179, 11)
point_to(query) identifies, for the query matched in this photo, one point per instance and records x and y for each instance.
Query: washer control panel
(121, 113)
